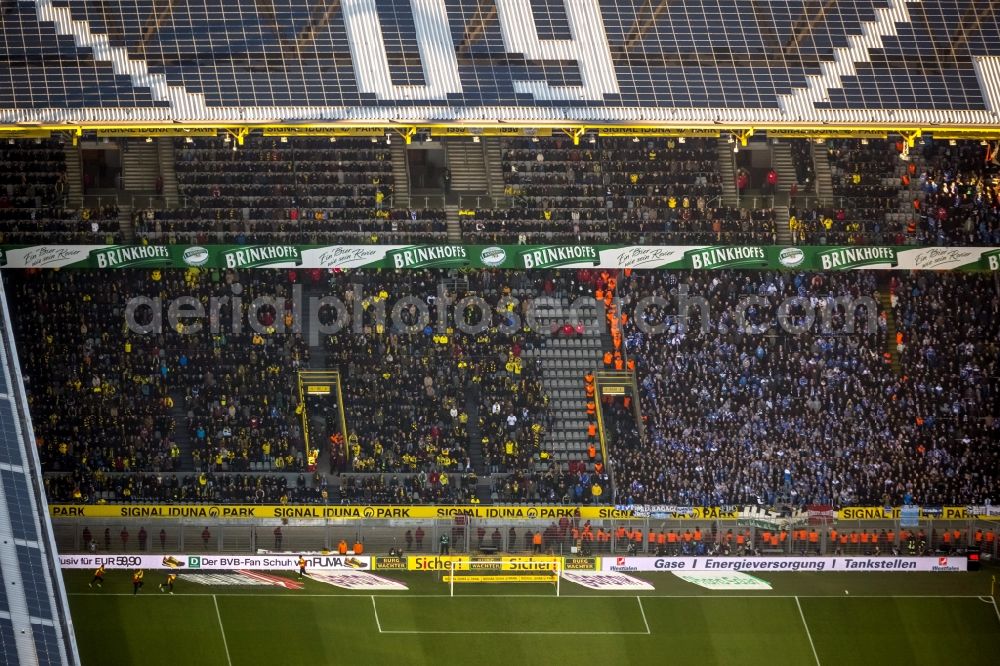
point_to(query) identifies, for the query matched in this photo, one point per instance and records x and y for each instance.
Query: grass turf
(889, 618)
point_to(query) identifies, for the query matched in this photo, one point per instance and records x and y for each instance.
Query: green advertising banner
(518, 257)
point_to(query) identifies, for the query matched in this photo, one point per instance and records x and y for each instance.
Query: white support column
(988, 73)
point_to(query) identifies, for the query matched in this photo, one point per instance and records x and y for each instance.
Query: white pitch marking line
(997, 609)
(402, 593)
(519, 633)
(377, 622)
(808, 633)
(225, 644)
(643, 611)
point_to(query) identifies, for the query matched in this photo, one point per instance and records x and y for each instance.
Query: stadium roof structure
(892, 64)
(35, 625)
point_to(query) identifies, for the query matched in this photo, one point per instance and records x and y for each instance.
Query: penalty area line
(643, 611)
(808, 633)
(222, 629)
(377, 622)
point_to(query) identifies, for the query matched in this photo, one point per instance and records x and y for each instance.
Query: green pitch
(805, 620)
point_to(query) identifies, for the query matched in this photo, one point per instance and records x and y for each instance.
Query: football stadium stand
(307, 190)
(821, 414)
(808, 405)
(577, 277)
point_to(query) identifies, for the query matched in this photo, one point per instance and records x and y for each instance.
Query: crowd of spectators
(310, 190)
(434, 487)
(110, 403)
(33, 188)
(303, 190)
(106, 398)
(661, 190)
(238, 387)
(556, 192)
(172, 488)
(759, 411)
(97, 393)
(413, 399)
(868, 202)
(949, 350)
(958, 197)
(736, 412)
(943, 193)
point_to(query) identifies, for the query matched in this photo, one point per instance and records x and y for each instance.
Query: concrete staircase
(781, 161)
(74, 178)
(167, 158)
(467, 162)
(180, 436)
(727, 170)
(781, 224)
(400, 176)
(898, 219)
(125, 220)
(564, 362)
(140, 167)
(885, 302)
(821, 171)
(494, 170)
(454, 225)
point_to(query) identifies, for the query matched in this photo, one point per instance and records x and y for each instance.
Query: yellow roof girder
(574, 130)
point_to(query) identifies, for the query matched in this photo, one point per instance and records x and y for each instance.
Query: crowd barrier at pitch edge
(432, 563)
(480, 511)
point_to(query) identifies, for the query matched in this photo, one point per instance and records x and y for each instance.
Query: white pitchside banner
(904, 564)
(223, 562)
(357, 580)
(608, 580)
(730, 580)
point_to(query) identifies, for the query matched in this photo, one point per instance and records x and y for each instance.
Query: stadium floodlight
(388, 139)
(736, 148)
(188, 139)
(284, 139)
(681, 139)
(374, 139)
(952, 142)
(475, 139)
(635, 139)
(534, 139)
(333, 139)
(864, 142)
(149, 139)
(593, 139)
